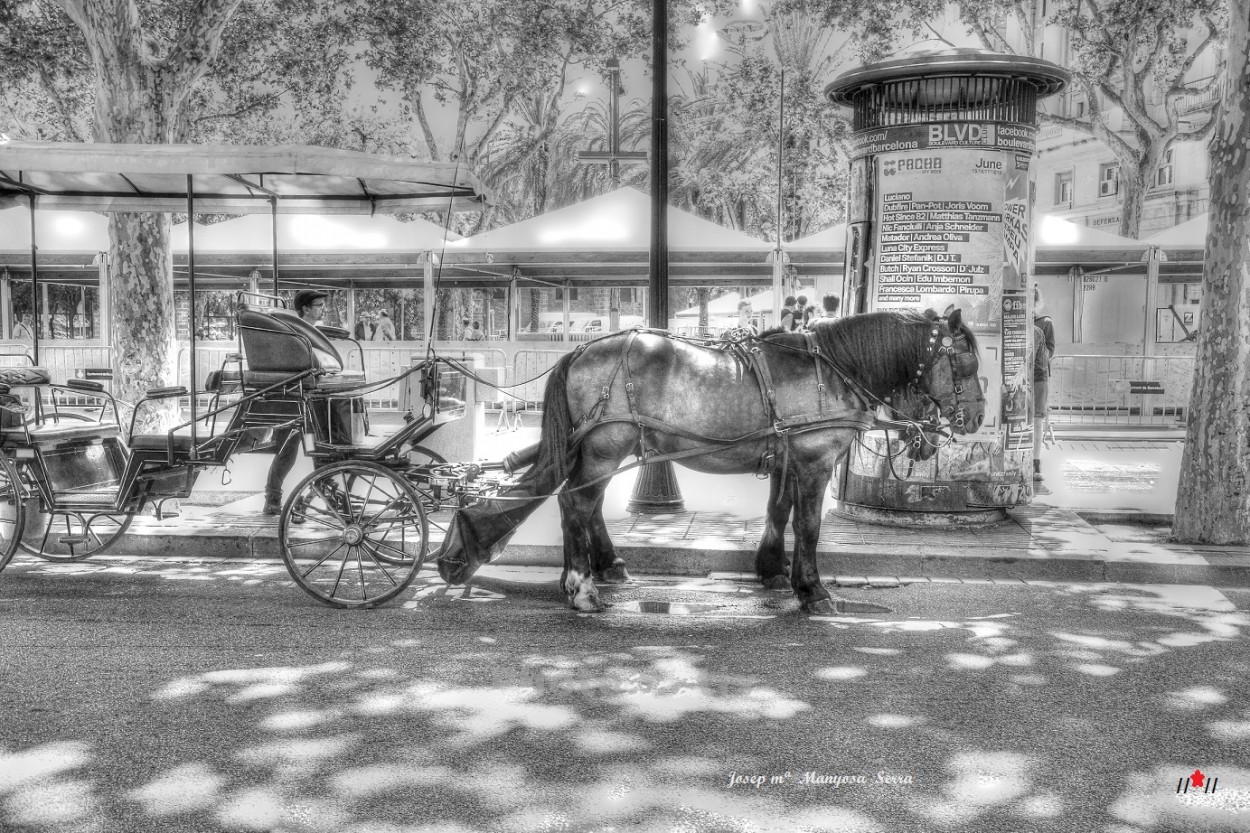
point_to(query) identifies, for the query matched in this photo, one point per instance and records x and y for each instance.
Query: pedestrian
(475, 332)
(786, 319)
(310, 305)
(24, 330)
(831, 303)
(744, 328)
(802, 312)
(1044, 352)
(385, 330)
(363, 330)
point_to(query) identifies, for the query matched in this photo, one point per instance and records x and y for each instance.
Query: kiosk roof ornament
(929, 84)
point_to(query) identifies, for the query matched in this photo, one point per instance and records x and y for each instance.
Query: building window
(1163, 177)
(1063, 188)
(1108, 179)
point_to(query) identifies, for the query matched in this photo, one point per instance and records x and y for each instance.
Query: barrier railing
(530, 367)
(1121, 390)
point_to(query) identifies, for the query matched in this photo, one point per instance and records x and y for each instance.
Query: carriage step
(168, 509)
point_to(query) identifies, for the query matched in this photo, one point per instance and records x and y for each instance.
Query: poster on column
(952, 233)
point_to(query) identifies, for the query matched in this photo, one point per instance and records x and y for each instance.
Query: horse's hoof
(776, 583)
(616, 574)
(821, 607)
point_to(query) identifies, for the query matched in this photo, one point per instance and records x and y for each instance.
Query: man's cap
(305, 297)
(384, 312)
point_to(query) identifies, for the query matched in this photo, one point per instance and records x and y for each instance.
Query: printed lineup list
(922, 245)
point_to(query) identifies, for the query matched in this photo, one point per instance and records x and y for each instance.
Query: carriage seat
(160, 442)
(280, 344)
(22, 376)
(50, 434)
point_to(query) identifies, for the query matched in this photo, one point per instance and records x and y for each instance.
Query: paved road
(178, 695)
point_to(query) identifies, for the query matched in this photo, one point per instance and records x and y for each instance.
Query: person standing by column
(1044, 345)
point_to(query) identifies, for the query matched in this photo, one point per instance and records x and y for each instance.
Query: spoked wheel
(419, 455)
(12, 511)
(67, 535)
(353, 534)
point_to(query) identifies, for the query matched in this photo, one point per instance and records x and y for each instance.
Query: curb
(1138, 564)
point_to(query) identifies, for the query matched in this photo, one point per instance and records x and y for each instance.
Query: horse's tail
(552, 464)
(480, 531)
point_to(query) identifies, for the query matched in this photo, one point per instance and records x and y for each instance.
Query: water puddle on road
(845, 607)
(670, 608)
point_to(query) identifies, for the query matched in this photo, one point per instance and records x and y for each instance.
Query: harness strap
(813, 349)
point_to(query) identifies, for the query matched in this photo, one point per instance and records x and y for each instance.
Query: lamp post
(656, 488)
(613, 157)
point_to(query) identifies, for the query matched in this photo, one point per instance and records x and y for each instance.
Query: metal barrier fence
(1098, 389)
(530, 367)
(380, 362)
(1121, 390)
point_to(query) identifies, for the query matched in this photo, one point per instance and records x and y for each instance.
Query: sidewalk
(1119, 534)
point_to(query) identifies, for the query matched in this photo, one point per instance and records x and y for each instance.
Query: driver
(310, 305)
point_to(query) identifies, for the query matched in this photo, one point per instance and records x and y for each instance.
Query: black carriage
(74, 472)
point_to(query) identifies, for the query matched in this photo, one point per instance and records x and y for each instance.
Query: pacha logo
(1197, 780)
(912, 164)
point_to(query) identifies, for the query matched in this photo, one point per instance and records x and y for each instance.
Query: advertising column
(951, 231)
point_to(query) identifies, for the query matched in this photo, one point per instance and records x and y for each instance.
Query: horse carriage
(355, 532)
(74, 470)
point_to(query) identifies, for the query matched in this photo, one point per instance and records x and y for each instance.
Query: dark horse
(786, 403)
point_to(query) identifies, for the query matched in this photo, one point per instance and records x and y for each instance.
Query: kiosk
(939, 218)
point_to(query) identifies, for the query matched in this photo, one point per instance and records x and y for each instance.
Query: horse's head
(949, 374)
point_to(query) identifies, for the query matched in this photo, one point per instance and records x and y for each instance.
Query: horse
(788, 404)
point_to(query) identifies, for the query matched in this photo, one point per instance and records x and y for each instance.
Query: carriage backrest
(281, 341)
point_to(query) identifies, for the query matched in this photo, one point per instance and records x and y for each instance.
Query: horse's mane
(882, 350)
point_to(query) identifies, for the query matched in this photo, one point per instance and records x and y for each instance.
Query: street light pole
(656, 489)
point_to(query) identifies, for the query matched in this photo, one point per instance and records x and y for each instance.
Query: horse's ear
(955, 322)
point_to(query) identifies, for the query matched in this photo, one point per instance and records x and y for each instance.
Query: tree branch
(193, 52)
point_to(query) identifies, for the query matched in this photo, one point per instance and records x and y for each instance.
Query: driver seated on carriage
(281, 346)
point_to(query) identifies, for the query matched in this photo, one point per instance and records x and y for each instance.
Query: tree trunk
(140, 275)
(1133, 189)
(1213, 501)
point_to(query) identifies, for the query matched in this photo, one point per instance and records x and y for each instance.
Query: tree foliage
(1132, 60)
(732, 122)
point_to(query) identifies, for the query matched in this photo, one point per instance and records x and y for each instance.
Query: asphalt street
(185, 695)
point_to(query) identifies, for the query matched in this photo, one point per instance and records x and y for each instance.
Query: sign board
(1145, 388)
(100, 374)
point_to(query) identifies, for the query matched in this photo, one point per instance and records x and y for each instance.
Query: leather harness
(781, 425)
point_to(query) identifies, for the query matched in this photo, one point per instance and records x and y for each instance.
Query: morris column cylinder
(939, 218)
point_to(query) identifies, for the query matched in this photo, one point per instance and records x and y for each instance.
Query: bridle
(965, 391)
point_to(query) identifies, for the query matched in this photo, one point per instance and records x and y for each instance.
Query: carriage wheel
(67, 535)
(353, 534)
(419, 455)
(12, 511)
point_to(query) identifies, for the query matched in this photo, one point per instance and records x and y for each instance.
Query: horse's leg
(605, 564)
(581, 514)
(772, 562)
(809, 483)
